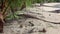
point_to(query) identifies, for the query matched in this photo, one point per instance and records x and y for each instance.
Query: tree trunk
(1, 26)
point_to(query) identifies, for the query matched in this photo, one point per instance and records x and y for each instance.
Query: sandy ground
(35, 26)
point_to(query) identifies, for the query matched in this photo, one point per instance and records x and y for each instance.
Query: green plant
(12, 4)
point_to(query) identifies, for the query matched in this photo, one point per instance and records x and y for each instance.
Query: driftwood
(36, 16)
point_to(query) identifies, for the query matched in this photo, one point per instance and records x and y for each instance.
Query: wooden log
(37, 17)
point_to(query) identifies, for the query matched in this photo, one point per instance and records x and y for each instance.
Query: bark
(1, 26)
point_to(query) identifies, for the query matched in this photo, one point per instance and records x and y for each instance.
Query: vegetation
(12, 6)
